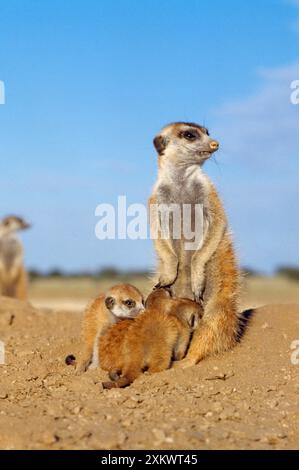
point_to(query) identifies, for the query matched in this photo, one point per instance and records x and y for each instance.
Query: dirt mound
(247, 398)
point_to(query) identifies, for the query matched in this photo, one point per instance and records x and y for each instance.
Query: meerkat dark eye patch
(189, 135)
(160, 144)
(130, 303)
(109, 302)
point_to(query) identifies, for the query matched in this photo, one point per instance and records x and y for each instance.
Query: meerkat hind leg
(218, 329)
(182, 346)
(210, 338)
(159, 362)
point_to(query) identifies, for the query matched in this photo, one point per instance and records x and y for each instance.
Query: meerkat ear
(109, 302)
(160, 144)
(193, 321)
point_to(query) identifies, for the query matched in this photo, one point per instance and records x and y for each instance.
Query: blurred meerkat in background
(13, 276)
(151, 341)
(119, 302)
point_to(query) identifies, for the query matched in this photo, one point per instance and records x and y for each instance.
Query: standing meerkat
(149, 342)
(13, 276)
(120, 301)
(209, 271)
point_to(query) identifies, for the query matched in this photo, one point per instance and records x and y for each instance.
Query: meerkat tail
(70, 360)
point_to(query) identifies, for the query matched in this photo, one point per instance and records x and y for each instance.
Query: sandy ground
(244, 399)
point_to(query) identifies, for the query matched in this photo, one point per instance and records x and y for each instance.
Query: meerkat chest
(181, 192)
(10, 251)
(187, 200)
(183, 189)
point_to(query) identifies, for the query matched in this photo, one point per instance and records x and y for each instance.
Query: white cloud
(262, 129)
(265, 125)
(259, 137)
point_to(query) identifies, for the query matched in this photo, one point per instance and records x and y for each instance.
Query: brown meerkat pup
(209, 270)
(120, 302)
(13, 276)
(150, 341)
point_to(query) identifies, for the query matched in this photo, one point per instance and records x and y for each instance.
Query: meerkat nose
(214, 145)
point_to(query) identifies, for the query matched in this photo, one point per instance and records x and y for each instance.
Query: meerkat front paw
(82, 367)
(198, 294)
(198, 285)
(165, 280)
(184, 363)
(167, 274)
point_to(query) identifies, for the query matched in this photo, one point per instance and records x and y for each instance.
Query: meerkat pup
(208, 270)
(120, 302)
(150, 341)
(13, 276)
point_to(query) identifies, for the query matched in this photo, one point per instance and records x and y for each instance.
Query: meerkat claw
(198, 297)
(166, 284)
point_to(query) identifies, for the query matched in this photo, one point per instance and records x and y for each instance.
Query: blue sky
(89, 83)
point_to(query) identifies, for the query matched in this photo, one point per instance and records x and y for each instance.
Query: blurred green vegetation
(104, 273)
(290, 272)
(110, 272)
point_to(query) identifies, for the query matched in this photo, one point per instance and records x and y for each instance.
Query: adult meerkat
(13, 276)
(208, 272)
(119, 302)
(149, 342)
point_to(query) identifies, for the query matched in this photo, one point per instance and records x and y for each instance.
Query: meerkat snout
(214, 145)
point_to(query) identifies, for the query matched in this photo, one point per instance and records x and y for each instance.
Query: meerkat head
(157, 297)
(185, 143)
(11, 224)
(189, 312)
(124, 301)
